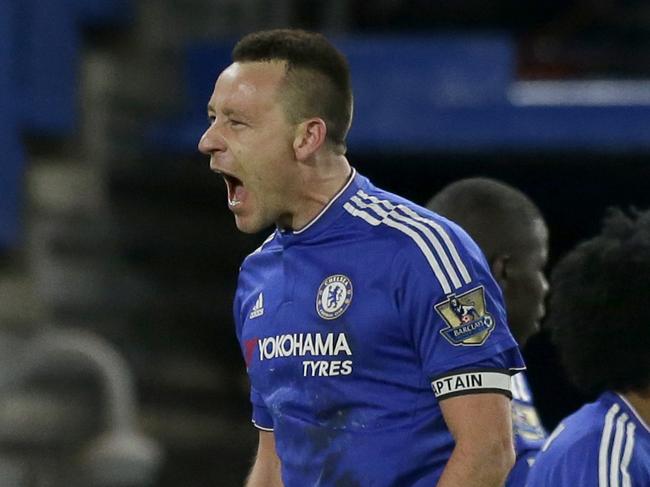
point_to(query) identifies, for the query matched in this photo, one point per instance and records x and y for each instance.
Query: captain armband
(458, 383)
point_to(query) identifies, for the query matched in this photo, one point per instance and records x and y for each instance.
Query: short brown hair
(318, 76)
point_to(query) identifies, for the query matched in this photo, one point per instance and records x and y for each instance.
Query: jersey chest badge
(468, 322)
(334, 296)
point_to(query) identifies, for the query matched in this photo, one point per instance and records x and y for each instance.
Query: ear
(499, 267)
(310, 136)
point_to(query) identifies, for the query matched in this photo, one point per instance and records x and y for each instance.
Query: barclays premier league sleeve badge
(468, 322)
(334, 296)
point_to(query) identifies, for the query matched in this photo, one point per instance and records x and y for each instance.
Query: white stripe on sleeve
(410, 216)
(627, 454)
(398, 217)
(442, 279)
(603, 453)
(617, 447)
(556, 432)
(445, 237)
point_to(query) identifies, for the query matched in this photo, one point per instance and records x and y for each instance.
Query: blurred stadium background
(118, 256)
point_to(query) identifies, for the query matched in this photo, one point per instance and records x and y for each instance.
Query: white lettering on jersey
(324, 368)
(310, 344)
(301, 344)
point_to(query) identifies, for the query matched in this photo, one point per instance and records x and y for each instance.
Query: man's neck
(317, 187)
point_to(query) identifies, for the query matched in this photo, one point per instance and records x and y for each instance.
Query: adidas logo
(258, 309)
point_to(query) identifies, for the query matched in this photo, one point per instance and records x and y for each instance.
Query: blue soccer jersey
(356, 326)
(604, 444)
(528, 431)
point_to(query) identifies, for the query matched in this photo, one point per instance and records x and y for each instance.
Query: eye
(211, 119)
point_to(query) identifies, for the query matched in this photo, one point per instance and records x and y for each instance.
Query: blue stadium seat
(430, 93)
(103, 12)
(40, 42)
(12, 161)
(48, 67)
(203, 63)
(406, 87)
(49, 42)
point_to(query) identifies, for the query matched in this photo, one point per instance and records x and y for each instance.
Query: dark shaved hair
(496, 215)
(600, 306)
(317, 76)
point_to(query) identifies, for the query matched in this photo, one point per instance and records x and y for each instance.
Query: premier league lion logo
(468, 322)
(465, 312)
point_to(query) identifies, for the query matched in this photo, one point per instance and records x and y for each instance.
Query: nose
(211, 140)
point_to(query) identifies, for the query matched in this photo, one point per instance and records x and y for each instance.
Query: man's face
(250, 143)
(526, 283)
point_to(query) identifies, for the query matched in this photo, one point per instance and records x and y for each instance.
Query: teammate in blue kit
(599, 317)
(511, 231)
(373, 333)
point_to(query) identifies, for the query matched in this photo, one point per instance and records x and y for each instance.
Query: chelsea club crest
(334, 296)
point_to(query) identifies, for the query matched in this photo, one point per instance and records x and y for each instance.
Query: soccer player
(598, 313)
(373, 333)
(511, 231)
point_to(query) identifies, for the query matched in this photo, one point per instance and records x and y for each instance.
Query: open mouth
(235, 189)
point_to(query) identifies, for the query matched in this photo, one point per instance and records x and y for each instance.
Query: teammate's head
(599, 307)
(511, 232)
(278, 114)
(317, 79)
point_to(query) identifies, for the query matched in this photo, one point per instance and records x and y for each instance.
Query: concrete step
(20, 308)
(67, 186)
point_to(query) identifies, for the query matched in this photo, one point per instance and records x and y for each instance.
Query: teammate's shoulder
(598, 439)
(583, 430)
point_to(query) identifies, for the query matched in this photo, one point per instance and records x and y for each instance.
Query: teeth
(233, 202)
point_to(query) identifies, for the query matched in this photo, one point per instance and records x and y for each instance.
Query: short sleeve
(454, 314)
(236, 313)
(261, 417)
